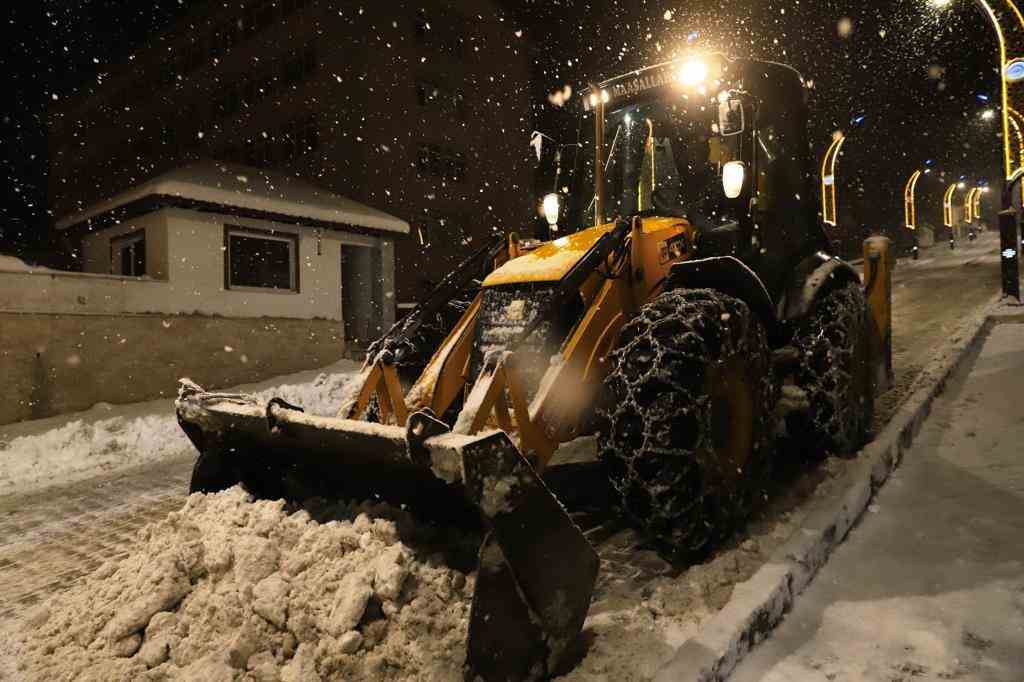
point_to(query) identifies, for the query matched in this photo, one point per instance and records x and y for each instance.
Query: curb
(759, 604)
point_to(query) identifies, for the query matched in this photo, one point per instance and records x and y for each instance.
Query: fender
(730, 276)
(814, 276)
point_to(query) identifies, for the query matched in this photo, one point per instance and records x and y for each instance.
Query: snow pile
(13, 264)
(227, 588)
(82, 445)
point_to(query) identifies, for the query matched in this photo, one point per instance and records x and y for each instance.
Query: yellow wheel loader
(667, 328)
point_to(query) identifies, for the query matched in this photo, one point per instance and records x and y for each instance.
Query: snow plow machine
(704, 289)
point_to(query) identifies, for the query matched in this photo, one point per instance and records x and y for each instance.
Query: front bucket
(537, 570)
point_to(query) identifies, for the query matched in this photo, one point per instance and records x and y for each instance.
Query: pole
(598, 156)
(1009, 243)
(1008, 22)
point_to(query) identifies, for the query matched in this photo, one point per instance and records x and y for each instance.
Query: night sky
(918, 75)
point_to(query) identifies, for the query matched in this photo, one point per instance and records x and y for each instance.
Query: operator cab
(720, 143)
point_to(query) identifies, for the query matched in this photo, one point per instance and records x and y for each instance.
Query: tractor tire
(686, 422)
(834, 371)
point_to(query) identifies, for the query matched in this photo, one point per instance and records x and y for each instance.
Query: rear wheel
(834, 371)
(686, 429)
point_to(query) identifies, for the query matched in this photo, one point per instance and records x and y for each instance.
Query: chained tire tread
(655, 421)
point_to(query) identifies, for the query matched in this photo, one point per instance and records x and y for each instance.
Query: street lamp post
(1008, 22)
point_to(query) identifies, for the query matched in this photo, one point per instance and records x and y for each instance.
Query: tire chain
(655, 422)
(826, 343)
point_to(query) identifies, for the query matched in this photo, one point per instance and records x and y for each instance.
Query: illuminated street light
(988, 115)
(971, 204)
(947, 204)
(909, 202)
(1008, 22)
(829, 210)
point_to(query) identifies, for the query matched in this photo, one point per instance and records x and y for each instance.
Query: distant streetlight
(910, 208)
(830, 214)
(947, 204)
(909, 201)
(988, 115)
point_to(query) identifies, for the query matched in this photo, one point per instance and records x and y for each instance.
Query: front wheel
(686, 427)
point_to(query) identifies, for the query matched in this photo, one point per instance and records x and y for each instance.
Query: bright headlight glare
(733, 176)
(552, 205)
(693, 72)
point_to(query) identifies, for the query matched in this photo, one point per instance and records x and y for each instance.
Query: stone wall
(58, 363)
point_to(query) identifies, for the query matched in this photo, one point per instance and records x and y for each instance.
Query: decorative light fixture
(909, 203)
(829, 207)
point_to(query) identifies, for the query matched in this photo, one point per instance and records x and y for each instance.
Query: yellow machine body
(567, 391)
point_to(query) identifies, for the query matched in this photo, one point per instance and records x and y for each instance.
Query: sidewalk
(930, 585)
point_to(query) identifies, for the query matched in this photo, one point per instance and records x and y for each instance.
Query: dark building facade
(418, 109)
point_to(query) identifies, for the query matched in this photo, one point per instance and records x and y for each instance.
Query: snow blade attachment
(537, 570)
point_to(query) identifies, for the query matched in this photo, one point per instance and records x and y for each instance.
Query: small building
(224, 273)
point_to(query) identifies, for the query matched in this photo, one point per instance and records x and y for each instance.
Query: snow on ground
(228, 588)
(643, 607)
(107, 437)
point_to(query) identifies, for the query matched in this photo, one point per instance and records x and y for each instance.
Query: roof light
(693, 72)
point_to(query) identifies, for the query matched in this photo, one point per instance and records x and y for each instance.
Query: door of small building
(361, 295)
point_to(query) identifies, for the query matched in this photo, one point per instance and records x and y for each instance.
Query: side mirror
(731, 117)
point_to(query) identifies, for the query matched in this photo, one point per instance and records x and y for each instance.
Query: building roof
(212, 184)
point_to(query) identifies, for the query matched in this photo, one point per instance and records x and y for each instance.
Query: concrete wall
(70, 340)
(53, 364)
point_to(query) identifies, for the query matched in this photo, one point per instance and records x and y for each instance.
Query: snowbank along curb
(759, 604)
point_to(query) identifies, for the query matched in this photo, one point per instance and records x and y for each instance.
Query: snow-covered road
(49, 537)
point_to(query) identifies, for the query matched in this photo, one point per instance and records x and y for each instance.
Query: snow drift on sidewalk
(78, 446)
(228, 589)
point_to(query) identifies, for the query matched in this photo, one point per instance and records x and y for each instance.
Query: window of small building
(128, 254)
(256, 259)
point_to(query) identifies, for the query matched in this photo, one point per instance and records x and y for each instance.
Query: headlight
(734, 174)
(552, 205)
